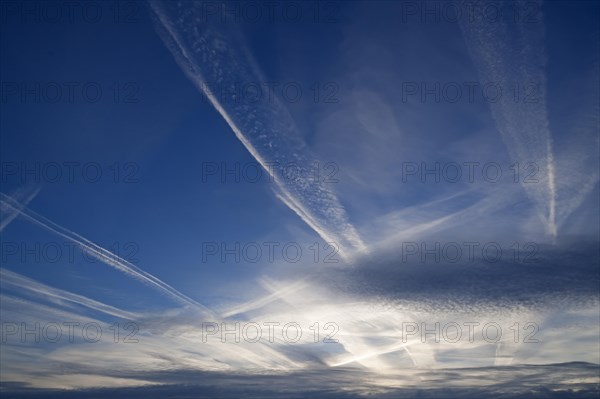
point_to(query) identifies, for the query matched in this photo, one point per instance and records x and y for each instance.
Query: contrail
(101, 254)
(216, 61)
(272, 297)
(507, 54)
(375, 353)
(552, 188)
(9, 214)
(28, 284)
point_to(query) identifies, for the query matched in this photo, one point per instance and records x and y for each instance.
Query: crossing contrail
(100, 253)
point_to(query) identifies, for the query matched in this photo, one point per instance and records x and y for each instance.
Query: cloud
(215, 59)
(9, 213)
(510, 53)
(100, 253)
(23, 284)
(573, 380)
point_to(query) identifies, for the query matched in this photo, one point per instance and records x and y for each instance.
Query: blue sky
(380, 171)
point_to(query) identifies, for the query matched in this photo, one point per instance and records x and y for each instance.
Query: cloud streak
(9, 213)
(215, 60)
(102, 254)
(509, 52)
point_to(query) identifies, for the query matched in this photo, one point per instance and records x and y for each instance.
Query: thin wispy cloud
(436, 279)
(17, 281)
(215, 59)
(509, 51)
(102, 254)
(9, 213)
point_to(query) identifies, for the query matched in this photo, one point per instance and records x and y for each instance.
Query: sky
(300, 199)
